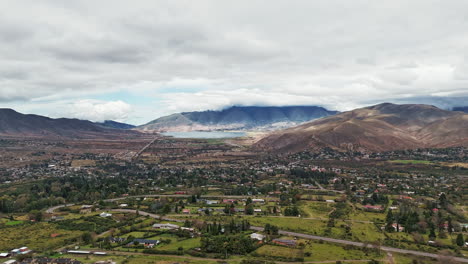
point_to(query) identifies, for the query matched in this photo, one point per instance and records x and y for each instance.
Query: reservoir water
(205, 134)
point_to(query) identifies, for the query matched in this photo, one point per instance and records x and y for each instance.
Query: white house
(258, 200)
(104, 214)
(166, 226)
(257, 236)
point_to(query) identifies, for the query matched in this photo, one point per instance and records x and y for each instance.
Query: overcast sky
(134, 61)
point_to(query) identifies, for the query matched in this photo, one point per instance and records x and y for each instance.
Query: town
(101, 207)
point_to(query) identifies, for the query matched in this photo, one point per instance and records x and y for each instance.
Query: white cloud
(98, 111)
(194, 55)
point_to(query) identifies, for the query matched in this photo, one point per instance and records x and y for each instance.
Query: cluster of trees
(376, 199)
(26, 203)
(271, 230)
(291, 211)
(309, 176)
(233, 227)
(228, 244)
(90, 223)
(431, 222)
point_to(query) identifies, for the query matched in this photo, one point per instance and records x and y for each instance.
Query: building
(187, 229)
(148, 243)
(375, 208)
(116, 239)
(104, 214)
(21, 251)
(166, 226)
(257, 236)
(285, 242)
(44, 260)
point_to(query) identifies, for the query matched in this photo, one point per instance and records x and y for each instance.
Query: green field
(38, 236)
(13, 223)
(185, 244)
(279, 252)
(318, 252)
(143, 259)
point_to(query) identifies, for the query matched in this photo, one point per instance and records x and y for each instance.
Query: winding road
(327, 239)
(288, 233)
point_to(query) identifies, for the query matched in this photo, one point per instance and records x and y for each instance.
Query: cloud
(194, 55)
(98, 111)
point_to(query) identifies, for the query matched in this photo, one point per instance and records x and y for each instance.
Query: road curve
(301, 235)
(360, 244)
(51, 210)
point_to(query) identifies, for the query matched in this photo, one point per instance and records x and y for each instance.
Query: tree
(443, 199)
(249, 210)
(460, 241)
(87, 238)
(432, 234)
(449, 225)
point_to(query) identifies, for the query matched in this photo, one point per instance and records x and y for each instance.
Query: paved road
(51, 210)
(145, 147)
(148, 214)
(306, 236)
(360, 244)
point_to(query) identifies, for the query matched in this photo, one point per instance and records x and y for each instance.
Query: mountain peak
(15, 124)
(376, 128)
(238, 117)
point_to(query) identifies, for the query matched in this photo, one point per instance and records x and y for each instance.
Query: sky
(134, 61)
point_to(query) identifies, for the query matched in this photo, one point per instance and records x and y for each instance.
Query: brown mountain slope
(14, 124)
(381, 127)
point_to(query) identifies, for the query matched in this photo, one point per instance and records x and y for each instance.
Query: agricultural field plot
(185, 244)
(427, 162)
(316, 251)
(297, 224)
(315, 209)
(327, 251)
(365, 232)
(134, 234)
(83, 163)
(41, 236)
(359, 215)
(143, 259)
(408, 259)
(8, 222)
(283, 253)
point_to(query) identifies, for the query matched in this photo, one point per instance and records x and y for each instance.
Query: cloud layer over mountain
(135, 61)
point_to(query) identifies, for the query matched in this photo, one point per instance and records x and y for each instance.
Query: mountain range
(14, 124)
(116, 125)
(382, 127)
(239, 118)
(461, 109)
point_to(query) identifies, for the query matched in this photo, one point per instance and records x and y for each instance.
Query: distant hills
(14, 124)
(382, 127)
(461, 109)
(238, 117)
(116, 125)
